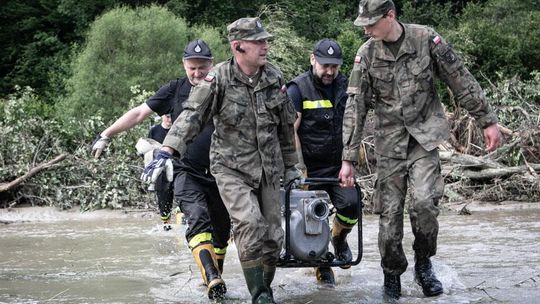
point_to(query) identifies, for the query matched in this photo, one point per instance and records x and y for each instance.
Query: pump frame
(287, 260)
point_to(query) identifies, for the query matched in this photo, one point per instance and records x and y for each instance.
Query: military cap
(197, 49)
(370, 11)
(327, 51)
(247, 29)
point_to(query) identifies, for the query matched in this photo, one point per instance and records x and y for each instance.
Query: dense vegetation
(69, 68)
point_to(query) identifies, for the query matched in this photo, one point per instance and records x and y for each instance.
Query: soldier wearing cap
(252, 147)
(319, 97)
(394, 73)
(194, 188)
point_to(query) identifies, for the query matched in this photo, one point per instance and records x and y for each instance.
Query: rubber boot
(339, 241)
(220, 261)
(425, 277)
(268, 276)
(392, 286)
(254, 275)
(206, 260)
(325, 275)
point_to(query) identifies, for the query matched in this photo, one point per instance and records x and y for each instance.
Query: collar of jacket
(266, 79)
(407, 47)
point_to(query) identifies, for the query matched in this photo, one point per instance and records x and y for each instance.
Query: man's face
(196, 69)
(255, 52)
(325, 72)
(380, 29)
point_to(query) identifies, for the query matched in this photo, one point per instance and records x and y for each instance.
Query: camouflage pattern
(370, 11)
(257, 227)
(253, 142)
(409, 125)
(247, 29)
(420, 172)
(403, 95)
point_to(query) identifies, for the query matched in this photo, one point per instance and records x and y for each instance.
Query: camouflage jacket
(253, 122)
(402, 92)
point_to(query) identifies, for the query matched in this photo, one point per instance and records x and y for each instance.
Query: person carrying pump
(319, 97)
(195, 189)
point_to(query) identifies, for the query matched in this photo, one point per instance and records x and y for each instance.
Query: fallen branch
(491, 173)
(7, 186)
(468, 160)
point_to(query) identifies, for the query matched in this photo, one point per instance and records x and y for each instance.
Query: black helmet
(197, 49)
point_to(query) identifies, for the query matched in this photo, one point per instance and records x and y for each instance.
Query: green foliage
(124, 47)
(288, 51)
(350, 39)
(500, 36)
(215, 40)
(429, 13)
(28, 139)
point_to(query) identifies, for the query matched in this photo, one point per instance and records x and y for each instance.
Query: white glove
(100, 143)
(154, 169)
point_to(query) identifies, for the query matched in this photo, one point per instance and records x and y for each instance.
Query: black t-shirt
(168, 100)
(158, 133)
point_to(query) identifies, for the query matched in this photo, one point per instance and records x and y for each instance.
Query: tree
(127, 47)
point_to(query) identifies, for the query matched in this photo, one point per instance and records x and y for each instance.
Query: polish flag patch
(437, 40)
(357, 59)
(209, 77)
(283, 89)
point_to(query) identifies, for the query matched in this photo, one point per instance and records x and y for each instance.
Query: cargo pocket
(438, 190)
(377, 202)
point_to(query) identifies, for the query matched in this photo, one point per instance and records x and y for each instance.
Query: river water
(47, 256)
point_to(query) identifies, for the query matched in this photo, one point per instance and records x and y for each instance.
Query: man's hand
(291, 173)
(492, 137)
(153, 170)
(346, 174)
(100, 143)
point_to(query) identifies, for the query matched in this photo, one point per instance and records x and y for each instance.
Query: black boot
(425, 277)
(392, 286)
(339, 241)
(325, 276)
(206, 260)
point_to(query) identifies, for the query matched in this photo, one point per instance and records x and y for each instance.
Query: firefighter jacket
(320, 131)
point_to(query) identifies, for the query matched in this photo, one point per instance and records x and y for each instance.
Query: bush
(500, 36)
(28, 138)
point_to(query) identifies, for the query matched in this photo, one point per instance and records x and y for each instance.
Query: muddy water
(113, 257)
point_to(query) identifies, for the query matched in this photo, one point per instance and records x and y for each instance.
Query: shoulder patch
(210, 77)
(283, 89)
(357, 59)
(436, 40)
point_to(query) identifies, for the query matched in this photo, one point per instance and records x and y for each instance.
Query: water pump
(307, 227)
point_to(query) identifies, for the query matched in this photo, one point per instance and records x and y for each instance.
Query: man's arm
(127, 121)
(466, 89)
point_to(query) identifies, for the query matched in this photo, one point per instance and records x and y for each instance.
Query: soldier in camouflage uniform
(252, 144)
(394, 73)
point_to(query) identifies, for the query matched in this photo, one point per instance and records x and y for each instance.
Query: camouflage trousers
(420, 173)
(255, 215)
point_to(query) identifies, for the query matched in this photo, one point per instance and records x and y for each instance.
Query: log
(8, 186)
(468, 160)
(496, 172)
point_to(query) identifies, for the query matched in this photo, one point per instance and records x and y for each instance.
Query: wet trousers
(345, 200)
(206, 217)
(255, 215)
(420, 173)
